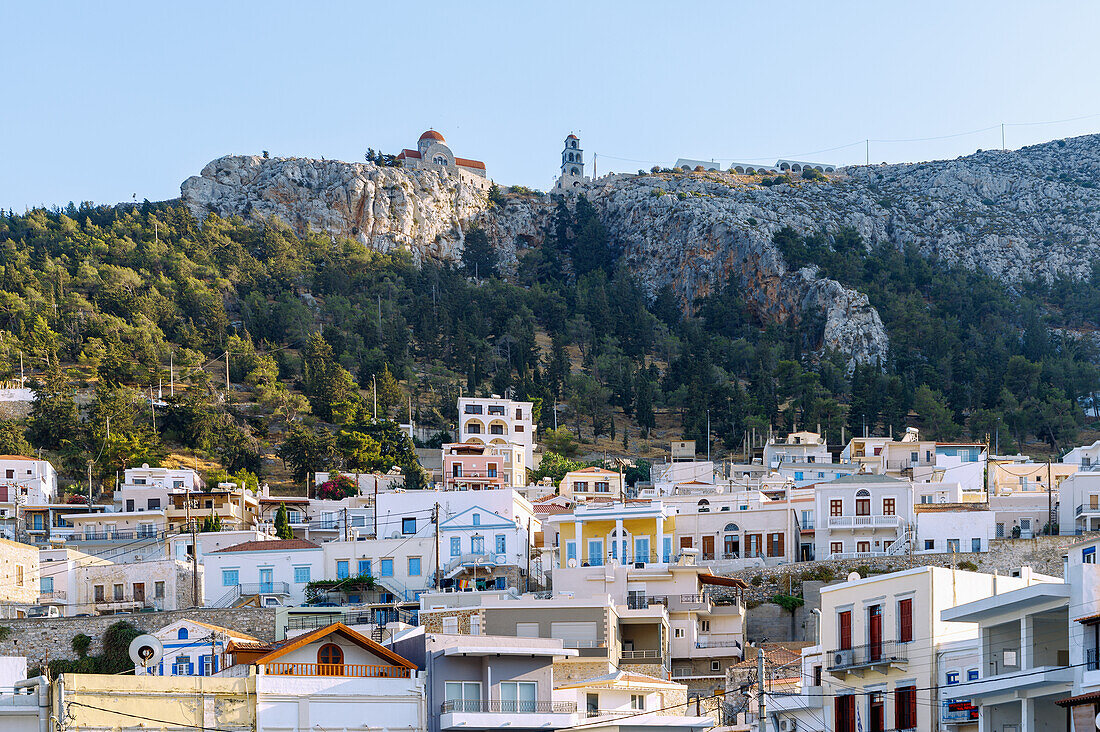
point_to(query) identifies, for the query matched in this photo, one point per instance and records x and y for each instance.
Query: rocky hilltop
(1020, 214)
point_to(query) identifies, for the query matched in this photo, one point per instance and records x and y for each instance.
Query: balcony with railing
(248, 589)
(350, 670)
(501, 714)
(54, 597)
(843, 661)
(864, 522)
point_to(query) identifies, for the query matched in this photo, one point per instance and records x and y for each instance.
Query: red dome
(432, 135)
(572, 137)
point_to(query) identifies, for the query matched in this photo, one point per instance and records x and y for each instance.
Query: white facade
(494, 420)
(27, 481)
(1083, 578)
(953, 529)
(24, 703)
(479, 539)
(797, 447)
(962, 463)
(191, 649)
(278, 569)
(1023, 636)
(1085, 458)
(405, 565)
(1079, 503)
(862, 516)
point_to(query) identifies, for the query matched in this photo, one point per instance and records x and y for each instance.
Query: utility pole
(374, 388)
(172, 373)
(194, 560)
(761, 705)
(345, 523)
(1002, 136)
(375, 512)
(868, 153)
(22, 379)
(90, 463)
(708, 435)
(527, 583)
(227, 378)
(435, 521)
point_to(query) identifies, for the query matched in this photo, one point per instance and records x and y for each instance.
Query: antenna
(146, 650)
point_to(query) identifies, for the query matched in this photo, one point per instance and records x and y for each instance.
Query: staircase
(901, 546)
(239, 595)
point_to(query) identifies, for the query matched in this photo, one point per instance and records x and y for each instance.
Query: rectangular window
(845, 713)
(364, 567)
(637, 702)
(905, 707)
(580, 486)
(518, 696)
(99, 593)
(139, 592)
(501, 544)
(905, 620)
(863, 547)
(844, 625)
(863, 507)
(602, 486)
(301, 575)
(570, 551)
(972, 674)
(456, 546)
(120, 592)
(641, 549)
(953, 545)
(817, 676)
(154, 504)
(678, 633)
(463, 696)
(952, 677)
(208, 666)
(836, 507)
(477, 544)
(414, 566)
(408, 525)
(342, 571)
(798, 475)
(888, 506)
(387, 568)
(775, 545)
(836, 547)
(231, 577)
(1088, 556)
(19, 575)
(182, 666)
(975, 544)
(929, 544)
(476, 519)
(492, 470)
(158, 590)
(46, 585)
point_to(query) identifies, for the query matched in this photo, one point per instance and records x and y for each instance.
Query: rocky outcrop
(385, 208)
(1033, 212)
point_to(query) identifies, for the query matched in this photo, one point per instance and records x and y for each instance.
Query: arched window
(182, 634)
(575, 171)
(573, 144)
(731, 528)
(571, 157)
(439, 160)
(863, 493)
(330, 660)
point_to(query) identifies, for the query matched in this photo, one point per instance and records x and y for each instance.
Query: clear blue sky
(105, 100)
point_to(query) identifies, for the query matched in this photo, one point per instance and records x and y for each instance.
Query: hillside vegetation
(327, 340)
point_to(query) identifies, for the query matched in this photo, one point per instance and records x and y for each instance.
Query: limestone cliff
(384, 208)
(1030, 212)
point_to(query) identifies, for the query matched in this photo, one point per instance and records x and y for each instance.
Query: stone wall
(1042, 553)
(573, 672)
(42, 638)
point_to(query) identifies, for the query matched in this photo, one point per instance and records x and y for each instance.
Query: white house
(1083, 578)
(1079, 503)
(192, 648)
(797, 447)
(963, 463)
(332, 678)
(495, 420)
(147, 489)
(275, 572)
(1023, 637)
(403, 565)
(1085, 458)
(953, 527)
(479, 544)
(862, 516)
(32, 482)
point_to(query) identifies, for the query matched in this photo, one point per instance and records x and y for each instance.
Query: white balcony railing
(860, 522)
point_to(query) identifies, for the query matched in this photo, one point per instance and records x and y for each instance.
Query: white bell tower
(572, 164)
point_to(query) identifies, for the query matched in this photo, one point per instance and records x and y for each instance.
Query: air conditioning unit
(843, 657)
(787, 725)
(639, 565)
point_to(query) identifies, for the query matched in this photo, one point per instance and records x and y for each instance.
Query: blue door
(266, 584)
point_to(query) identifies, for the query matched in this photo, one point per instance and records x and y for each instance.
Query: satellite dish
(146, 650)
(853, 576)
(572, 563)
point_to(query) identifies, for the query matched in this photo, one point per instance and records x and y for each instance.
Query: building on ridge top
(572, 166)
(432, 153)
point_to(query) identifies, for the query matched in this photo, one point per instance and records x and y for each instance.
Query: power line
(152, 719)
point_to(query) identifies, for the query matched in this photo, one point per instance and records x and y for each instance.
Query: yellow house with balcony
(628, 532)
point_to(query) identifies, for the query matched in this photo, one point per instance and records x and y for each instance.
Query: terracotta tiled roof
(340, 629)
(408, 154)
(1073, 701)
(228, 631)
(467, 163)
(1088, 619)
(283, 499)
(432, 135)
(269, 546)
(16, 457)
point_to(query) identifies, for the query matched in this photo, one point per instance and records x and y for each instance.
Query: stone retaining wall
(40, 639)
